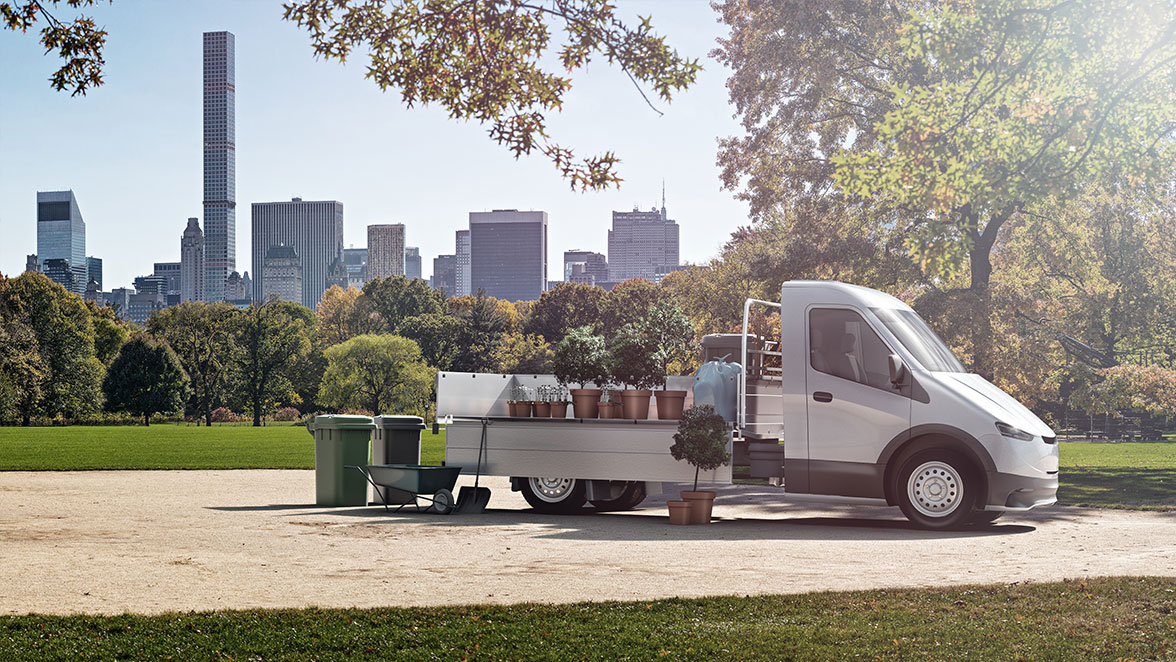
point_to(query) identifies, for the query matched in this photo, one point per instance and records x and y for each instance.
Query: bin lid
(400, 422)
(343, 422)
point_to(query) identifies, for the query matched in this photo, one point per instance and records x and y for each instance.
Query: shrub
(224, 415)
(701, 440)
(287, 414)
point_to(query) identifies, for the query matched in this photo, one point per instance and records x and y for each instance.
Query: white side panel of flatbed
(573, 448)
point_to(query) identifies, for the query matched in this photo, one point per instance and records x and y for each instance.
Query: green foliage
(109, 336)
(701, 440)
(344, 313)
(490, 62)
(671, 333)
(634, 359)
(485, 319)
(145, 378)
(581, 358)
(439, 335)
(79, 42)
(396, 298)
(72, 378)
(380, 373)
(272, 339)
(629, 302)
(1129, 388)
(1080, 619)
(565, 306)
(22, 369)
(524, 354)
(203, 336)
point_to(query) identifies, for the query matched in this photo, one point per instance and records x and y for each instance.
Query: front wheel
(936, 489)
(630, 498)
(558, 496)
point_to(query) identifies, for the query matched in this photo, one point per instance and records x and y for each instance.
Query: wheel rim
(552, 490)
(935, 489)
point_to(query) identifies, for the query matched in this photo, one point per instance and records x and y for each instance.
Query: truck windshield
(919, 339)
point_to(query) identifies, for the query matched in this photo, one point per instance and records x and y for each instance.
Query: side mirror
(897, 370)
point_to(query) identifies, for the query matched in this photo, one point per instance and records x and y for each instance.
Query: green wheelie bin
(340, 441)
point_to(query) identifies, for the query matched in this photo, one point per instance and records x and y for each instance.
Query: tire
(936, 489)
(984, 517)
(631, 497)
(442, 502)
(558, 496)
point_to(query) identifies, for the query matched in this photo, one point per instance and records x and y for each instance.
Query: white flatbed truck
(858, 401)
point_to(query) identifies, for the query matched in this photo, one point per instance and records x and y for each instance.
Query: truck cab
(869, 403)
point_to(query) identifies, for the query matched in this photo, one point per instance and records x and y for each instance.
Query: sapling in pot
(701, 440)
(633, 361)
(581, 358)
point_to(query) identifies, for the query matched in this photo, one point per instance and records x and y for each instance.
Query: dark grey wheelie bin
(397, 440)
(340, 441)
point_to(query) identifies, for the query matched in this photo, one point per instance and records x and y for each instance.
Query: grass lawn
(168, 446)
(1129, 475)
(1099, 619)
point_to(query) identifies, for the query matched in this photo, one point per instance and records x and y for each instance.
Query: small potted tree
(633, 361)
(671, 332)
(581, 358)
(701, 440)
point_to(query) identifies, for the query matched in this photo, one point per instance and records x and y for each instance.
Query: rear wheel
(630, 498)
(554, 495)
(936, 489)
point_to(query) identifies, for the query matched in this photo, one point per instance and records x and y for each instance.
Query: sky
(131, 149)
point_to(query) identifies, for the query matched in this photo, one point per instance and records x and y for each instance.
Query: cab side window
(842, 344)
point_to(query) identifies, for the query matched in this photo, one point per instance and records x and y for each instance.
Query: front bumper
(1017, 493)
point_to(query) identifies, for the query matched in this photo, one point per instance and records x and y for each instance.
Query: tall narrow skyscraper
(385, 250)
(412, 262)
(192, 262)
(462, 267)
(220, 163)
(642, 244)
(314, 229)
(61, 236)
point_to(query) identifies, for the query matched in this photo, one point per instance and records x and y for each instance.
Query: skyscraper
(355, 261)
(283, 274)
(444, 274)
(461, 268)
(508, 253)
(94, 271)
(412, 262)
(314, 229)
(385, 250)
(642, 244)
(220, 163)
(61, 235)
(585, 267)
(192, 262)
(172, 271)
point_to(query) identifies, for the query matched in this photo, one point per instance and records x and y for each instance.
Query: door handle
(822, 396)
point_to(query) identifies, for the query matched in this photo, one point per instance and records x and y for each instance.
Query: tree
(523, 354)
(379, 373)
(79, 42)
(1129, 388)
(439, 336)
(701, 440)
(21, 368)
(669, 331)
(343, 313)
(489, 61)
(72, 378)
(485, 321)
(629, 302)
(397, 298)
(633, 358)
(563, 307)
(946, 120)
(581, 358)
(145, 378)
(109, 336)
(202, 336)
(272, 339)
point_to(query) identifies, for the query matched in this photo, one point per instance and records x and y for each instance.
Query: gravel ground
(156, 541)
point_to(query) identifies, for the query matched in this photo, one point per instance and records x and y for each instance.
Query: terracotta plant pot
(636, 403)
(669, 404)
(679, 512)
(559, 410)
(609, 410)
(701, 504)
(542, 410)
(516, 408)
(526, 408)
(585, 401)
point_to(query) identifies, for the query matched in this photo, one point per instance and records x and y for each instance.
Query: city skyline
(138, 136)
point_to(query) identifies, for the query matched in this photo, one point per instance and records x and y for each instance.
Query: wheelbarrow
(414, 480)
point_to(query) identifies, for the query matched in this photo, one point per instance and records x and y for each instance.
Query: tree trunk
(207, 418)
(25, 419)
(695, 478)
(982, 305)
(147, 419)
(257, 415)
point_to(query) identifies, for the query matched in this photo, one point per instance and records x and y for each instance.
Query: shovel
(474, 499)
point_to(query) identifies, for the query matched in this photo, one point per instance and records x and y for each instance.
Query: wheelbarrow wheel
(442, 502)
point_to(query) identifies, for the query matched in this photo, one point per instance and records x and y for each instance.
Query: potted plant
(517, 402)
(671, 332)
(543, 403)
(701, 440)
(609, 407)
(633, 362)
(581, 358)
(559, 403)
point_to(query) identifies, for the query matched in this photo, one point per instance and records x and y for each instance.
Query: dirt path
(155, 541)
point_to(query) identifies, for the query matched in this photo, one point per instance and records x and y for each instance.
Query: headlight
(1010, 431)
